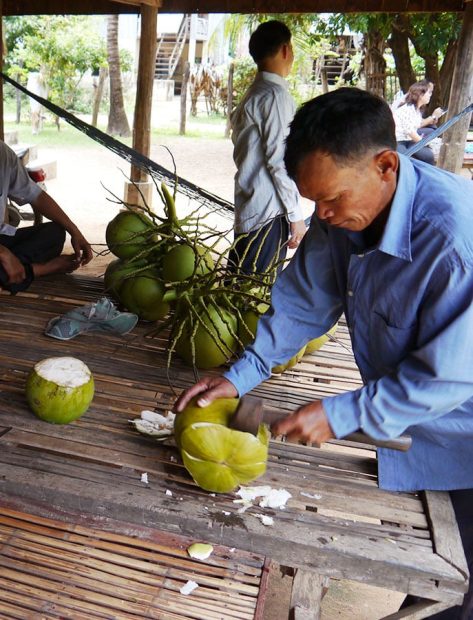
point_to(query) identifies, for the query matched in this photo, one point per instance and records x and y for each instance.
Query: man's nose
(324, 211)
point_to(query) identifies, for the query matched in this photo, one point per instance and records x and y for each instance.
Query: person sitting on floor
(34, 251)
(408, 119)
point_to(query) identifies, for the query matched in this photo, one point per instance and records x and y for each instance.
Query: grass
(201, 126)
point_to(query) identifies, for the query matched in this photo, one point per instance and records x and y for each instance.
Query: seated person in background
(33, 251)
(409, 121)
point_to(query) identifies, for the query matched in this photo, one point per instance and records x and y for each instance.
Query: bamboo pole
(143, 102)
(228, 125)
(461, 94)
(184, 87)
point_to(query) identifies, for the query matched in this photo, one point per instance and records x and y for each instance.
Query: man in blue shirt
(391, 247)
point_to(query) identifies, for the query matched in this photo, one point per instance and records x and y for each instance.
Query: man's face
(349, 196)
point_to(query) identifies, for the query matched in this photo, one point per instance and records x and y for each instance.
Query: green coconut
(317, 343)
(218, 326)
(218, 412)
(250, 318)
(218, 458)
(180, 262)
(59, 389)
(143, 295)
(290, 363)
(128, 233)
(116, 272)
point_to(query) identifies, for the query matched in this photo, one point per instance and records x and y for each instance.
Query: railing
(181, 38)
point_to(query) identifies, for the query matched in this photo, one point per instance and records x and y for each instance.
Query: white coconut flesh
(66, 372)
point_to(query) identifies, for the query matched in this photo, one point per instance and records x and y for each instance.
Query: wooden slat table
(337, 524)
(55, 569)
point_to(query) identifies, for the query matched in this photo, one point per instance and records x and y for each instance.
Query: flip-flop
(101, 316)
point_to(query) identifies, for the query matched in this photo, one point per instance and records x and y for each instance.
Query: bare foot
(65, 263)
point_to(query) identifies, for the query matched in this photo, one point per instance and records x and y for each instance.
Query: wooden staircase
(168, 53)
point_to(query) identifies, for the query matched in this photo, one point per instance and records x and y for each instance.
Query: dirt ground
(87, 181)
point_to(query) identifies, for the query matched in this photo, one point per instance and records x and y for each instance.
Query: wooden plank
(382, 562)
(89, 7)
(446, 537)
(418, 611)
(308, 590)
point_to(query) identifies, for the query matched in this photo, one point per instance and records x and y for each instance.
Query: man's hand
(12, 266)
(209, 388)
(297, 231)
(309, 424)
(82, 249)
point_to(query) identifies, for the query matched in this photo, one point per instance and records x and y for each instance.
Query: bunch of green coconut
(170, 270)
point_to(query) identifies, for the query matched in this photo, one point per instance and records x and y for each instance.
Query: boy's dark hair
(267, 39)
(346, 124)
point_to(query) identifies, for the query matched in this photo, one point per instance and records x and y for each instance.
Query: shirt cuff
(343, 413)
(295, 214)
(245, 375)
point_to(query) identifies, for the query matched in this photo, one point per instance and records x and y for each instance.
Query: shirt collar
(396, 239)
(268, 76)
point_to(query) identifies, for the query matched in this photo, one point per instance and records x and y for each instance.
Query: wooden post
(324, 79)
(453, 147)
(184, 85)
(228, 126)
(2, 133)
(98, 94)
(308, 590)
(143, 104)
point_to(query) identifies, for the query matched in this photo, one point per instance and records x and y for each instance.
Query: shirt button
(350, 293)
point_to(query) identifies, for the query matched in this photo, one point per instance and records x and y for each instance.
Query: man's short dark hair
(346, 124)
(267, 39)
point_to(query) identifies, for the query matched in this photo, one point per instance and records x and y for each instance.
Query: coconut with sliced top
(59, 389)
(219, 458)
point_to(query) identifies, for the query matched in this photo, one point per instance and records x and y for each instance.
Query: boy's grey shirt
(260, 125)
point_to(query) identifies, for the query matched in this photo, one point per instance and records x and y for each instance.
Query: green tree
(431, 36)
(61, 48)
(117, 119)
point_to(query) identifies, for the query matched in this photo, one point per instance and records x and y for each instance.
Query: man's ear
(285, 50)
(387, 163)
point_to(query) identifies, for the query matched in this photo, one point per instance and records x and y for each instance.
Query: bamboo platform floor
(337, 523)
(52, 569)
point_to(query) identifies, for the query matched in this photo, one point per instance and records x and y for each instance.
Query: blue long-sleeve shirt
(409, 307)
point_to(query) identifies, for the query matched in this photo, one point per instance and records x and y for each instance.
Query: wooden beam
(311, 6)
(452, 151)
(106, 7)
(153, 3)
(67, 7)
(144, 89)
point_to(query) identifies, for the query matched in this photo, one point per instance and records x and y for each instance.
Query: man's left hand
(309, 424)
(297, 232)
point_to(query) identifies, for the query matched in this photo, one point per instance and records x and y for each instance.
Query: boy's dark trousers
(32, 244)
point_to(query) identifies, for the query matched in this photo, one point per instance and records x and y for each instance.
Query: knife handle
(401, 443)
